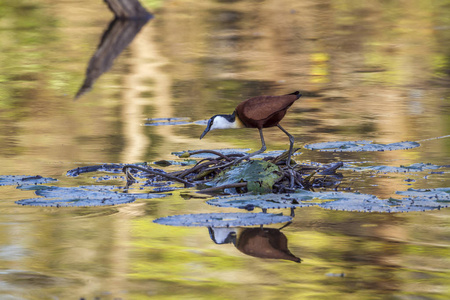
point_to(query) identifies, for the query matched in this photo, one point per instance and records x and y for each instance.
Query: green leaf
(259, 175)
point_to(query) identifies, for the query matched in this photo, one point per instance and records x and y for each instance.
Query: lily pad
(167, 121)
(417, 167)
(334, 200)
(223, 219)
(111, 168)
(272, 201)
(80, 196)
(249, 202)
(360, 146)
(187, 153)
(438, 194)
(274, 153)
(383, 205)
(166, 163)
(174, 121)
(24, 180)
(210, 155)
(259, 175)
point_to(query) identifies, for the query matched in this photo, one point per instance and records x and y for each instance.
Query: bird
(257, 112)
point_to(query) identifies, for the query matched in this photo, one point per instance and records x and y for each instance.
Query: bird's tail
(296, 93)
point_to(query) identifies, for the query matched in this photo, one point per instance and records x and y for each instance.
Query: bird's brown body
(264, 111)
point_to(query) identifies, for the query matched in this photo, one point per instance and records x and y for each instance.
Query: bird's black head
(220, 122)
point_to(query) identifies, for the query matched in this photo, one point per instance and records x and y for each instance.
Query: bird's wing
(262, 107)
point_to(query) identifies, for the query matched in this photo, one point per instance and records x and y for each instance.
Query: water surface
(367, 71)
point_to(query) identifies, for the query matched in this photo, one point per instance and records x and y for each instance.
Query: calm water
(368, 71)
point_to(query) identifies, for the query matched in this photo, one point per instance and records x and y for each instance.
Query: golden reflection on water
(368, 70)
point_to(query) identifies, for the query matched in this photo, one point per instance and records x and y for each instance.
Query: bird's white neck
(222, 122)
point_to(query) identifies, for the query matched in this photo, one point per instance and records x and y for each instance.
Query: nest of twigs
(297, 176)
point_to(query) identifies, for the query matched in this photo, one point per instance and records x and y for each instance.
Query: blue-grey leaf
(230, 152)
(223, 219)
(167, 121)
(111, 168)
(419, 201)
(24, 180)
(210, 155)
(360, 146)
(439, 194)
(417, 167)
(81, 196)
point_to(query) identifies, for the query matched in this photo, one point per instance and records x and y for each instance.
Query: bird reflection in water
(258, 241)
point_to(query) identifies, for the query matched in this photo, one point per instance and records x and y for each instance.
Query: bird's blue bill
(208, 127)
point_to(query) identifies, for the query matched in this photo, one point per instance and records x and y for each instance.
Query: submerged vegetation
(221, 172)
(265, 183)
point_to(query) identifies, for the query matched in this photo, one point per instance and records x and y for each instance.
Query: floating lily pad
(334, 200)
(108, 177)
(383, 205)
(417, 167)
(274, 153)
(173, 121)
(271, 201)
(360, 146)
(439, 194)
(167, 121)
(223, 219)
(210, 155)
(259, 175)
(166, 163)
(111, 168)
(80, 196)
(230, 152)
(249, 202)
(24, 180)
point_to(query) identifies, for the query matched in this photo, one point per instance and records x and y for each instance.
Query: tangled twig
(293, 177)
(153, 172)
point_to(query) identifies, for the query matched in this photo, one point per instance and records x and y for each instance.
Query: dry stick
(331, 169)
(238, 154)
(178, 173)
(281, 186)
(130, 178)
(203, 174)
(291, 178)
(298, 180)
(291, 182)
(195, 168)
(230, 163)
(222, 187)
(222, 166)
(309, 177)
(155, 173)
(211, 152)
(283, 156)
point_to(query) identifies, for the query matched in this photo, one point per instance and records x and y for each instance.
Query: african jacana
(257, 112)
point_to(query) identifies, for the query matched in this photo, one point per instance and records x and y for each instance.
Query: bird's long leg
(291, 146)
(263, 148)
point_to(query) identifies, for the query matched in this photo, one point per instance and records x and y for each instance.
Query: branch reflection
(119, 34)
